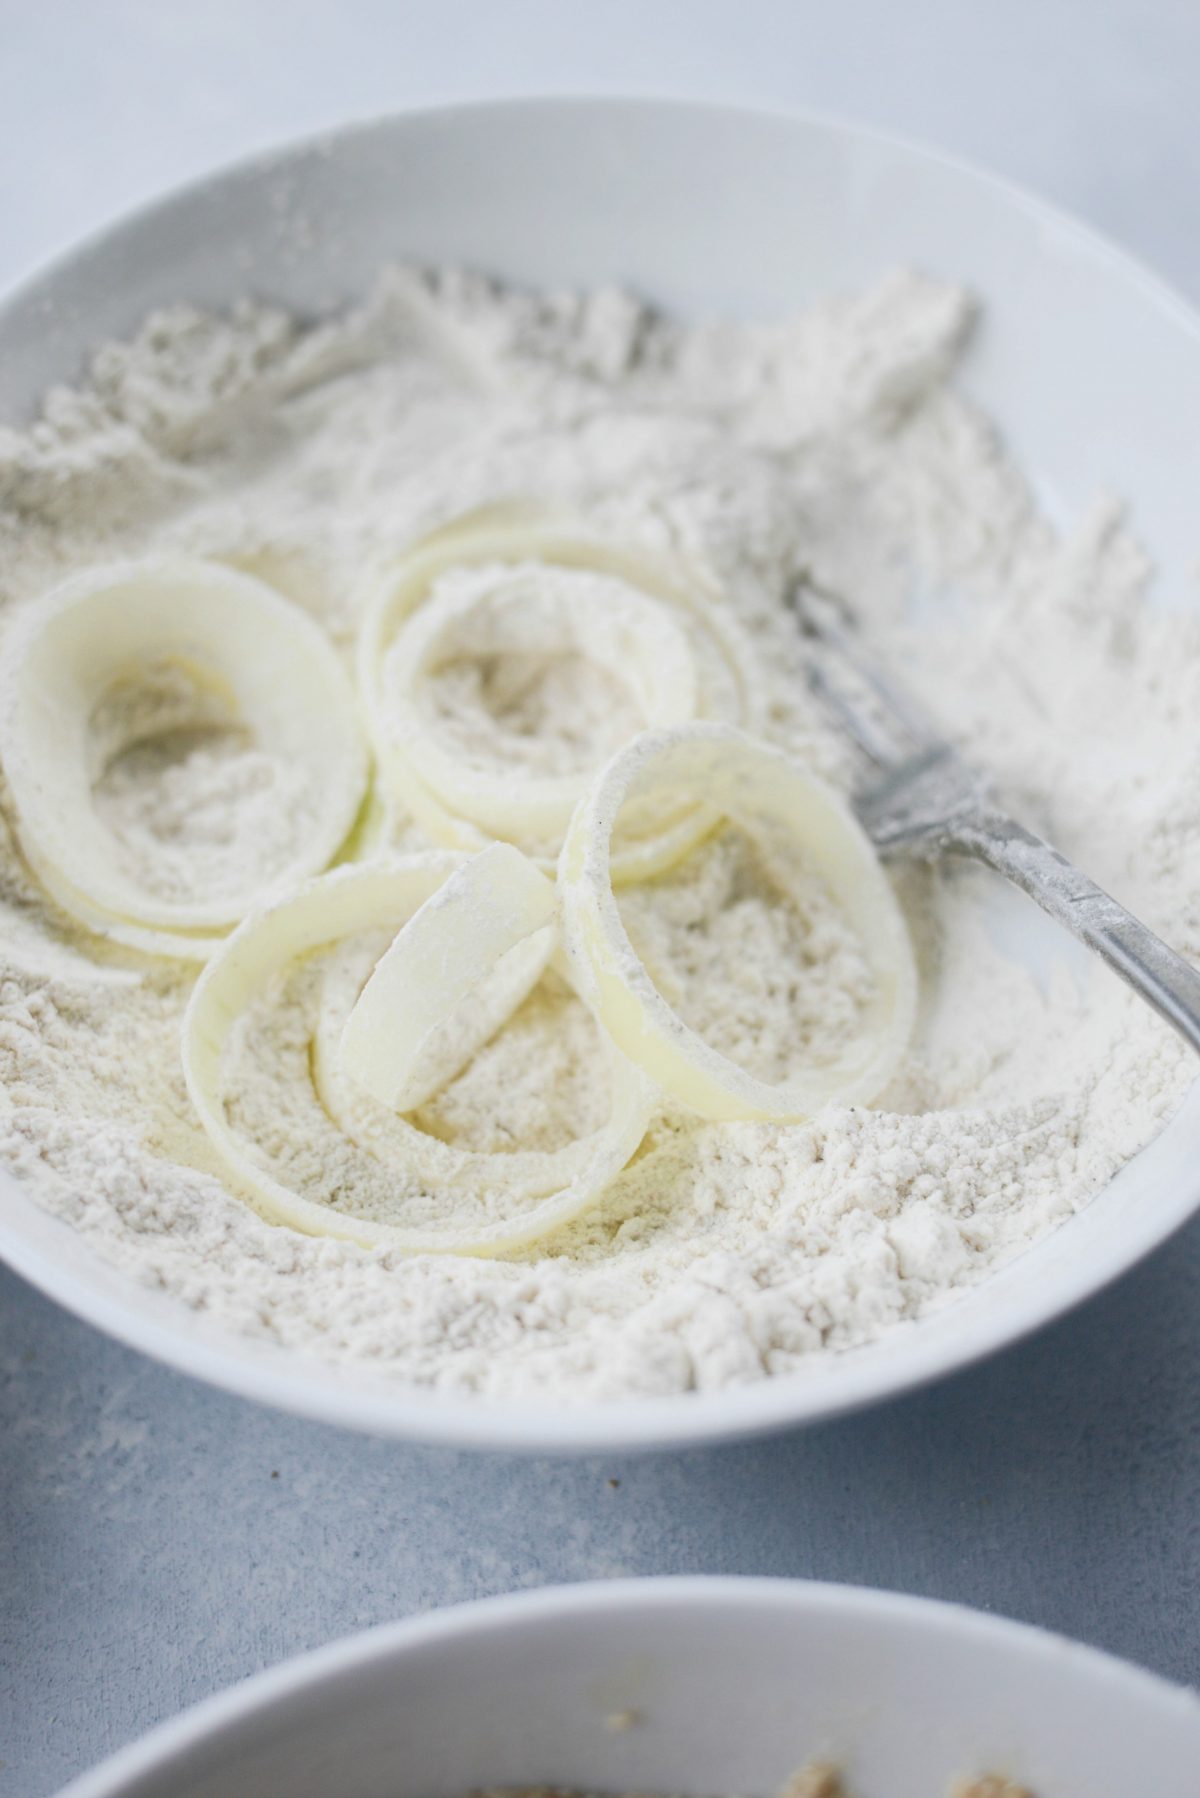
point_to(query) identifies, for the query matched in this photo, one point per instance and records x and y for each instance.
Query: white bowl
(723, 1685)
(1090, 365)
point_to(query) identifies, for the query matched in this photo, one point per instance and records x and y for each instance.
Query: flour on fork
(831, 443)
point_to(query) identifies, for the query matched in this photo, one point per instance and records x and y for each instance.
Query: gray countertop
(158, 1540)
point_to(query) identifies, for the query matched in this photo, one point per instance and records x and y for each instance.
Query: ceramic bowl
(681, 1686)
(1091, 367)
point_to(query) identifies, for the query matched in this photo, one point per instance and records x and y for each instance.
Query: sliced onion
(520, 532)
(637, 854)
(321, 914)
(776, 802)
(635, 638)
(494, 907)
(183, 945)
(268, 668)
(394, 1139)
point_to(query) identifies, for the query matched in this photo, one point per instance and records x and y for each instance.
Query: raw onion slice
(183, 945)
(260, 665)
(494, 908)
(394, 1139)
(636, 639)
(788, 811)
(320, 914)
(639, 853)
(523, 532)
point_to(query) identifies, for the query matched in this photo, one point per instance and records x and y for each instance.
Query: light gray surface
(158, 1541)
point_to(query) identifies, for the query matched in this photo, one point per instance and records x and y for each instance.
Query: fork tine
(906, 730)
(882, 749)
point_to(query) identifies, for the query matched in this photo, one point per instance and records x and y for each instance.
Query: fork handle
(1167, 982)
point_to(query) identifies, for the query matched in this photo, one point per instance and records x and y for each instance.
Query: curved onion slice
(524, 531)
(637, 855)
(778, 803)
(637, 639)
(319, 915)
(373, 832)
(520, 532)
(395, 1140)
(184, 945)
(264, 665)
(490, 909)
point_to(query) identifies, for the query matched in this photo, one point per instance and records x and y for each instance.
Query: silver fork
(926, 801)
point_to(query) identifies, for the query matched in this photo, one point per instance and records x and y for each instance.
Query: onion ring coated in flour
(774, 800)
(495, 907)
(263, 664)
(635, 638)
(318, 915)
(511, 536)
(183, 945)
(394, 1139)
(636, 857)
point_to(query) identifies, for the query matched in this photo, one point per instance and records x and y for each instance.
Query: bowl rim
(254, 163)
(704, 1594)
(293, 1382)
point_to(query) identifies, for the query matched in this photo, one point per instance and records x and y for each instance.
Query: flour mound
(831, 443)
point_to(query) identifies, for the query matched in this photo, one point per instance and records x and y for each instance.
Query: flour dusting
(832, 444)
(527, 674)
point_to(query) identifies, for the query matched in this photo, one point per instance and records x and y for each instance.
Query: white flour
(514, 683)
(830, 442)
(184, 791)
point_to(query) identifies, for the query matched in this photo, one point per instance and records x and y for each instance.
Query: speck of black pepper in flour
(832, 442)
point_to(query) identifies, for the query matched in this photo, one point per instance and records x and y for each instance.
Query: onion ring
(636, 638)
(493, 908)
(520, 532)
(260, 661)
(768, 795)
(320, 914)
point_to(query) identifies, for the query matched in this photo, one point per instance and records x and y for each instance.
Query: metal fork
(926, 801)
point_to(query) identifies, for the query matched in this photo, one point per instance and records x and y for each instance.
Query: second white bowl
(685, 1686)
